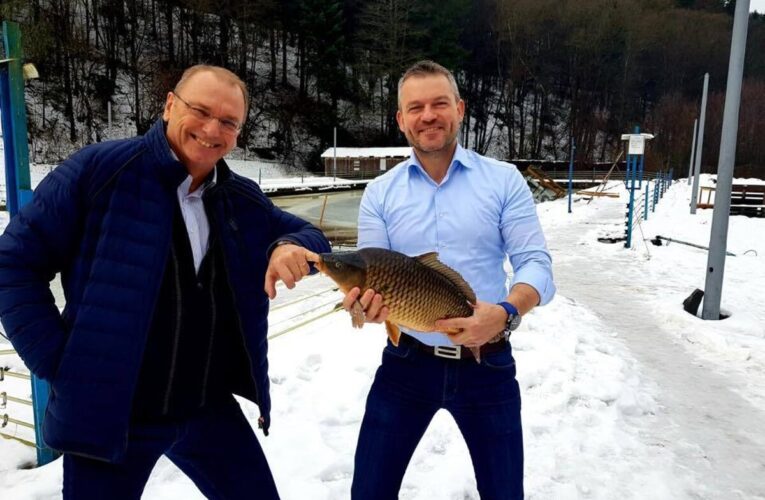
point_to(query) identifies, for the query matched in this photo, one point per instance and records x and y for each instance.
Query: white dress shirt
(195, 218)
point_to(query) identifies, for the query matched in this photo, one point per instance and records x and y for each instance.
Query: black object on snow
(692, 302)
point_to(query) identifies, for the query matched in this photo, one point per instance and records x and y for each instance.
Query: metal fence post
(645, 205)
(18, 186)
(631, 167)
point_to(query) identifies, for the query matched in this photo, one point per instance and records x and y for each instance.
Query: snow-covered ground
(625, 395)
(270, 175)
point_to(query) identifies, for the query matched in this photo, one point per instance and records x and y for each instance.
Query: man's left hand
(486, 322)
(288, 263)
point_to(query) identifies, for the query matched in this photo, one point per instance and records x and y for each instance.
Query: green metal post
(14, 119)
(18, 186)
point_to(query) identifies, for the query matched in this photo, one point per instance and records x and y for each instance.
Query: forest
(533, 73)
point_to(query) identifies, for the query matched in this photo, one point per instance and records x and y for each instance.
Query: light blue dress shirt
(195, 217)
(480, 214)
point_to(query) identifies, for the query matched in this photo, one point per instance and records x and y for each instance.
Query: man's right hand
(371, 302)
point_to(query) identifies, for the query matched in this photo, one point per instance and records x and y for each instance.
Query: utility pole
(721, 215)
(700, 145)
(693, 150)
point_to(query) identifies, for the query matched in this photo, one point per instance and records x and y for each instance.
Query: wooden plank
(598, 193)
(545, 181)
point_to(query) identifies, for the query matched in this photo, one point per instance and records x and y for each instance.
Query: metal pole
(571, 175)
(645, 205)
(109, 118)
(719, 233)
(18, 186)
(631, 166)
(334, 156)
(632, 174)
(700, 145)
(693, 150)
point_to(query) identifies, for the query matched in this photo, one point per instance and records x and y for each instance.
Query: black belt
(452, 351)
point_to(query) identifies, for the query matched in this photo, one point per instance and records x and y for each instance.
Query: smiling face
(430, 114)
(200, 143)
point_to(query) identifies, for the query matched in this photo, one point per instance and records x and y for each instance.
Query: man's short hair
(428, 68)
(222, 73)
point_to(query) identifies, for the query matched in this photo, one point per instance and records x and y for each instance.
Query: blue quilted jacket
(103, 218)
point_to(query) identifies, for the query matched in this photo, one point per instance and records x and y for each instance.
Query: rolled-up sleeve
(524, 240)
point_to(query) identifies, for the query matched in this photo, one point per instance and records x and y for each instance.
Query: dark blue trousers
(409, 388)
(217, 449)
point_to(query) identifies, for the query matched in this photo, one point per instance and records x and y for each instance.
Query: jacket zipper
(213, 329)
(176, 333)
(237, 317)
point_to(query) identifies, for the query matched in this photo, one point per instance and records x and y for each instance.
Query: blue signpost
(645, 205)
(17, 182)
(634, 179)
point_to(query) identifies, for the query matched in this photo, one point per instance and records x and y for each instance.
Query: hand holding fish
(366, 308)
(289, 263)
(474, 331)
(399, 290)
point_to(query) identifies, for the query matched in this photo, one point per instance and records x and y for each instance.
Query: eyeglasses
(229, 126)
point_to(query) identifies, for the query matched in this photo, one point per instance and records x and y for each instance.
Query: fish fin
(476, 354)
(357, 315)
(431, 260)
(394, 334)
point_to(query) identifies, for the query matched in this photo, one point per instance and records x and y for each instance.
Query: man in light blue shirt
(475, 212)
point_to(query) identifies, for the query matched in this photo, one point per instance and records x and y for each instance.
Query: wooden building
(362, 163)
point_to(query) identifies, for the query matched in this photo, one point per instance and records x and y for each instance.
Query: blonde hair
(222, 73)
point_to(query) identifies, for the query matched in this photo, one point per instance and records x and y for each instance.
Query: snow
(395, 152)
(625, 395)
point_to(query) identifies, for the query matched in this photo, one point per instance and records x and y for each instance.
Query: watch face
(513, 322)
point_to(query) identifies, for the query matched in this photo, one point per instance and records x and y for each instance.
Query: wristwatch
(513, 319)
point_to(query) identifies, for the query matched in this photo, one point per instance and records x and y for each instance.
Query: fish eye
(338, 265)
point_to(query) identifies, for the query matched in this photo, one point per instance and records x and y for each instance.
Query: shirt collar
(210, 181)
(460, 158)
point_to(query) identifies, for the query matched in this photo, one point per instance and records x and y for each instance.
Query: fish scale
(417, 291)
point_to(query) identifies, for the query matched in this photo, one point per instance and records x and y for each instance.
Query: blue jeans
(217, 449)
(409, 387)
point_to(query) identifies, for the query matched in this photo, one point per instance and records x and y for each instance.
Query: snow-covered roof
(368, 152)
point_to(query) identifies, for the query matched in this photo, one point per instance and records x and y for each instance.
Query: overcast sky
(758, 5)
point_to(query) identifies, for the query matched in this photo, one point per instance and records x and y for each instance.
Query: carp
(416, 290)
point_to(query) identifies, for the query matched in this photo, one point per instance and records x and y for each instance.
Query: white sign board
(637, 145)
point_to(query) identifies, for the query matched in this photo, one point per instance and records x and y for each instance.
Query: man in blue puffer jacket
(167, 259)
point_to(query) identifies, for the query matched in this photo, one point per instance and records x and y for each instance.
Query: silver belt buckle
(448, 351)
